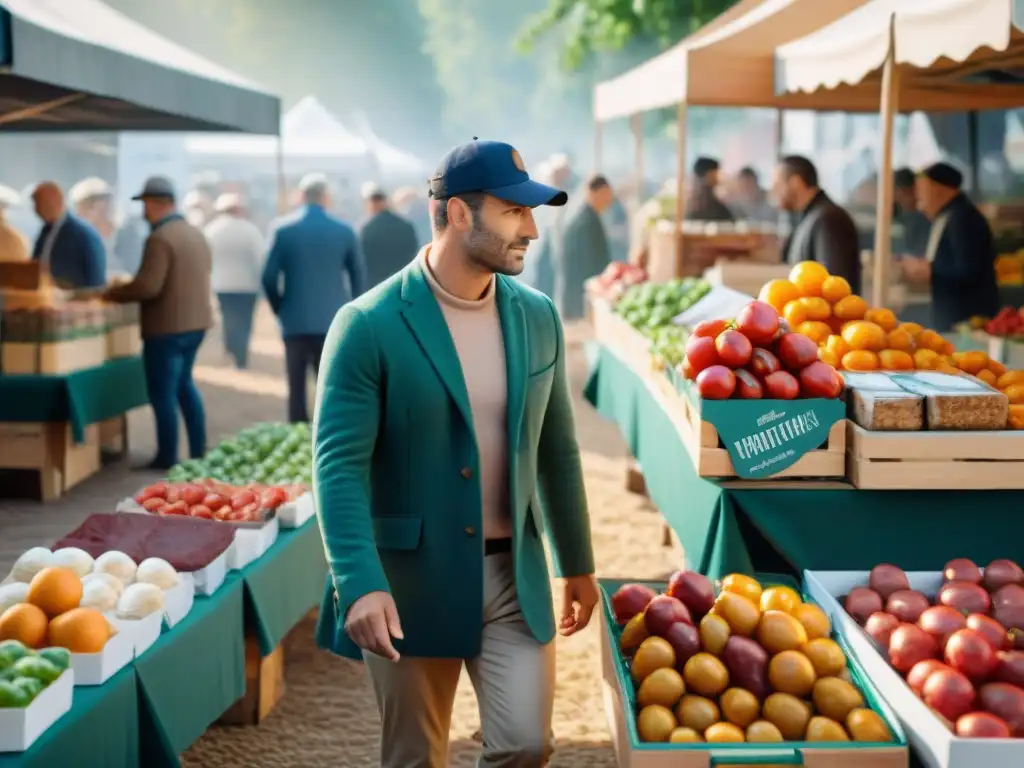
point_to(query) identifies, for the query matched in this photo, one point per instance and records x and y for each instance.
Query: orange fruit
(1009, 378)
(850, 308)
(817, 308)
(864, 335)
(80, 630)
(970, 362)
(1016, 394)
(815, 330)
(55, 590)
(885, 318)
(996, 367)
(912, 328)
(837, 346)
(988, 377)
(835, 288)
(926, 359)
(829, 357)
(929, 339)
(778, 293)
(900, 339)
(860, 360)
(795, 313)
(25, 623)
(895, 360)
(808, 276)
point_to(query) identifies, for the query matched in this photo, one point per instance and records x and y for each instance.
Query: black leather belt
(497, 546)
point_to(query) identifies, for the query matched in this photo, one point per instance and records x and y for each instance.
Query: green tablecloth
(725, 528)
(80, 398)
(283, 585)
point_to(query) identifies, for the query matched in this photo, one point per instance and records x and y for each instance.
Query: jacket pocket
(403, 533)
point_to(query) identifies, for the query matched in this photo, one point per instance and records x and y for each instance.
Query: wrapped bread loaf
(877, 402)
(956, 402)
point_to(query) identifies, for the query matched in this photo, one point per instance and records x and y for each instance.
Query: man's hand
(372, 621)
(579, 597)
(916, 270)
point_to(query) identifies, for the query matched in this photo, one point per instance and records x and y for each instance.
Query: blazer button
(466, 473)
(470, 531)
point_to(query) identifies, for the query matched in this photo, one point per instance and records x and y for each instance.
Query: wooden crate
(745, 275)
(710, 459)
(615, 333)
(951, 461)
(124, 341)
(54, 357)
(264, 685)
(50, 450)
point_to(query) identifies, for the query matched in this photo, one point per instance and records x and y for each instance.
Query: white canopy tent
(391, 160)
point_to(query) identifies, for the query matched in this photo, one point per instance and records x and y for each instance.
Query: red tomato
(224, 513)
(176, 508)
(154, 504)
(758, 321)
(213, 501)
(242, 499)
(782, 385)
(200, 510)
(709, 328)
(748, 387)
(274, 497)
(819, 380)
(734, 349)
(154, 491)
(796, 351)
(173, 494)
(193, 494)
(763, 363)
(701, 353)
(716, 383)
(250, 512)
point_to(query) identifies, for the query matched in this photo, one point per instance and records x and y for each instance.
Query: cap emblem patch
(517, 160)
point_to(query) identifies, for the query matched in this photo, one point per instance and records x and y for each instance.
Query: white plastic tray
(294, 514)
(178, 599)
(19, 728)
(97, 668)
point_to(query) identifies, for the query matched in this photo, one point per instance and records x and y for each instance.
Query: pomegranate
(862, 602)
(758, 321)
(991, 629)
(965, 597)
(1004, 701)
(969, 653)
(1010, 668)
(629, 600)
(949, 693)
(999, 573)
(961, 569)
(907, 605)
(1008, 606)
(886, 579)
(880, 626)
(941, 621)
(910, 644)
(921, 672)
(982, 725)
(694, 590)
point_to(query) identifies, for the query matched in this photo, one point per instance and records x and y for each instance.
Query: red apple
(734, 349)
(880, 626)
(962, 569)
(908, 645)
(662, 612)
(949, 693)
(982, 725)
(886, 579)
(921, 671)
(758, 321)
(700, 351)
(964, 596)
(862, 602)
(1004, 701)
(629, 600)
(782, 385)
(694, 590)
(969, 653)
(763, 363)
(796, 351)
(941, 621)
(907, 605)
(716, 383)
(999, 573)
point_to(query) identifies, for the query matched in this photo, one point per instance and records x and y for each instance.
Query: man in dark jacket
(69, 246)
(703, 204)
(824, 232)
(914, 223)
(585, 251)
(388, 241)
(960, 256)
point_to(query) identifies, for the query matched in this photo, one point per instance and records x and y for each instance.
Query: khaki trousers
(514, 678)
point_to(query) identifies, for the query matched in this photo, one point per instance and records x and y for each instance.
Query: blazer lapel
(426, 322)
(513, 329)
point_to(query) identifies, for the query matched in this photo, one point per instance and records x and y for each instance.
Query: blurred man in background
(414, 208)
(317, 257)
(92, 199)
(915, 225)
(172, 288)
(749, 201)
(197, 208)
(703, 203)
(388, 242)
(584, 248)
(70, 248)
(238, 248)
(14, 246)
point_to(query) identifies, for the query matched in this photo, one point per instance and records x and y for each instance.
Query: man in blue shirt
(317, 256)
(71, 248)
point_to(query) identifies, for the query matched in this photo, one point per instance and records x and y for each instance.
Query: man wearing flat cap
(444, 447)
(960, 256)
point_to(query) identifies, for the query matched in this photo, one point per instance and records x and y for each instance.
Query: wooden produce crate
(618, 335)
(54, 357)
(711, 459)
(124, 341)
(50, 450)
(935, 460)
(744, 275)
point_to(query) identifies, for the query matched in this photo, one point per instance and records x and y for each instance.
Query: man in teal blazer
(444, 445)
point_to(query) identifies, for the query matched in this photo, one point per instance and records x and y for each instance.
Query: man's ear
(459, 214)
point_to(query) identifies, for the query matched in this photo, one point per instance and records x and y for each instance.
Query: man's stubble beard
(489, 251)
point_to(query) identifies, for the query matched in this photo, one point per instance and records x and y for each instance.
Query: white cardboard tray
(251, 544)
(933, 742)
(144, 632)
(208, 580)
(294, 514)
(178, 599)
(97, 668)
(19, 728)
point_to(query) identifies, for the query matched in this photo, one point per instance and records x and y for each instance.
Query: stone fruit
(655, 723)
(1010, 668)
(1005, 701)
(763, 363)
(701, 353)
(697, 712)
(908, 645)
(55, 590)
(824, 729)
(747, 663)
(791, 672)
(778, 632)
(964, 597)
(685, 641)
(880, 626)
(734, 349)
(663, 686)
(886, 579)
(907, 605)
(862, 602)
(921, 671)
(819, 380)
(941, 621)
(969, 653)
(714, 634)
(825, 656)
(982, 725)
(80, 630)
(999, 573)
(740, 707)
(866, 726)
(706, 675)
(25, 623)
(740, 612)
(835, 698)
(993, 631)
(815, 622)
(1008, 606)
(949, 693)
(796, 351)
(653, 653)
(694, 590)
(748, 386)
(629, 600)
(662, 612)
(962, 569)
(782, 599)
(634, 633)
(763, 732)
(743, 585)
(724, 733)
(716, 383)
(758, 321)
(787, 713)
(684, 736)
(782, 385)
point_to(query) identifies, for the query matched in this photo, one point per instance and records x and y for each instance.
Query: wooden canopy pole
(680, 177)
(636, 123)
(597, 145)
(884, 205)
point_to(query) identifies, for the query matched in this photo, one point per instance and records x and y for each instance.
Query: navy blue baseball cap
(494, 168)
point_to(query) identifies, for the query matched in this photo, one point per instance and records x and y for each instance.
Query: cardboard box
(50, 449)
(178, 600)
(250, 544)
(143, 632)
(294, 514)
(54, 357)
(124, 341)
(933, 742)
(207, 580)
(97, 668)
(19, 728)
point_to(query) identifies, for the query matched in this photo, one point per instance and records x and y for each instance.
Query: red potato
(941, 621)
(886, 579)
(920, 673)
(962, 569)
(716, 383)
(1005, 701)
(1001, 572)
(910, 644)
(862, 602)
(949, 693)
(701, 353)
(991, 630)
(695, 591)
(907, 605)
(819, 380)
(763, 363)
(1010, 668)
(969, 653)
(709, 328)
(880, 626)
(796, 351)
(758, 321)
(748, 387)
(781, 385)
(734, 349)
(982, 725)
(965, 597)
